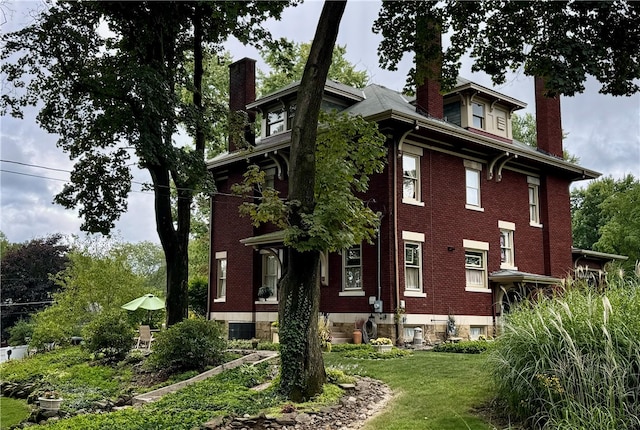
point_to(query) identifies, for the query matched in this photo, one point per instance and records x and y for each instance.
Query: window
(275, 122)
(270, 273)
(507, 254)
(411, 189)
(472, 179)
(352, 261)
(452, 113)
(410, 180)
(412, 266)
(506, 248)
(413, 263)
(221, 275)
(475, 264)
(534, 201)
(475, 268)
(475, 332)
(478, 115)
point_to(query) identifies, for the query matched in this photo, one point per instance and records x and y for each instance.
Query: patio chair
(145, 337)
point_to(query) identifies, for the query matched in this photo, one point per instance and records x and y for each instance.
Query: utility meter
(377, 306)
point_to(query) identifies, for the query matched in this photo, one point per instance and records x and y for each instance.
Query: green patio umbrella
(148, 302)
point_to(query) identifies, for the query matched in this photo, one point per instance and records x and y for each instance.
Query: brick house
(470, 218)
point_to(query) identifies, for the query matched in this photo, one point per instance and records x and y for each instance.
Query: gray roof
(508, 276)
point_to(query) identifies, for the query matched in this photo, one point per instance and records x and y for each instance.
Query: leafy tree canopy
(111, 77)
(27, 271)
(349, 150)
(606, 217)
(564, 42)
(288, 62)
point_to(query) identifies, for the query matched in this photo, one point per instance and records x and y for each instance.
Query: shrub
(198, 291)
(46, 331)
(344, 347)
(573, 361)
(465, 347)
(192, 344)
(110, 334)
(20, 332)
(337, 376)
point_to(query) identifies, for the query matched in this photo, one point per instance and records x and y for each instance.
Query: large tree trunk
(303, 373)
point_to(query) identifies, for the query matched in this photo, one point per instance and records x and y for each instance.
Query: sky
(603, 131)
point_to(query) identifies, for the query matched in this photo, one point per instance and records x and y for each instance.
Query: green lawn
(433, 390)
(12, 411)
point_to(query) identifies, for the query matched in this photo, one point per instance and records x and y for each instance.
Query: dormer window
(275, 122)
(478, 115)
(280, 119)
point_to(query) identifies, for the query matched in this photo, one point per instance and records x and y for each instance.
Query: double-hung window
(413, 263)
(411, 189)
(270, 273)
(276, 121)
(221, 275)
(478, 115)
(352, 261)
(472, 184)
(534, 201)
(475, 265)
(507, 252)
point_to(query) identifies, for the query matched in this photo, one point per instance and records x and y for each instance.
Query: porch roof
(509, 276)
(273, 238)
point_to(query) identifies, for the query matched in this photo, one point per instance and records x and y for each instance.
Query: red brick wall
(556, 217)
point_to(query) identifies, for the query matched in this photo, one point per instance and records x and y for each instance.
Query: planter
(49, 404)
(382, 348)
(275, 336)
(357, 337)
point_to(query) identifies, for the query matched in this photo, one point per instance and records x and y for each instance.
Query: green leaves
(349, 150)
(562, 41)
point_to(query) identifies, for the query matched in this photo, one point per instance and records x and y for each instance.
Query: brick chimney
(548, 121)
(242, 91)
(429, 99)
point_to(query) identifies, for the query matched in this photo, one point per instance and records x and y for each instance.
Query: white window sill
(409, 293)
(535, 224)
(508, 266)
(474, 208)
(352, 293)
(412, 202)
(477, 290)
(266, 302)
(220, 300)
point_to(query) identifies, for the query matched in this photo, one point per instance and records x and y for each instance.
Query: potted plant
(382, 344)
(357, 332)
(50, 400)
(264, 292)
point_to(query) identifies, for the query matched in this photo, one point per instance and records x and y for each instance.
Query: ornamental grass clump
(573, 361)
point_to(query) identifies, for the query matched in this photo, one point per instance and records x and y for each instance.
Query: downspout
(211, 212)
(396, 155)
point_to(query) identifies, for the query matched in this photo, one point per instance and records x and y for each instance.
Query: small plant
(192, 344)
(265, 292)
(50, 394)
(20, 333)
(109, 334)
(381, 341)
(275, 324)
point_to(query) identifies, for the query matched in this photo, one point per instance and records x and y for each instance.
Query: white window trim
(410, 238)
(477, 167)
(220, 255)
(344, 270)
(534, 183)
(483, 117)
(351, 293)
(510, 227)
(415, 153)
(273, 299)
(477, 246)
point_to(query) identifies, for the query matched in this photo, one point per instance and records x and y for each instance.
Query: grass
(436, 391)
(12, 411)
